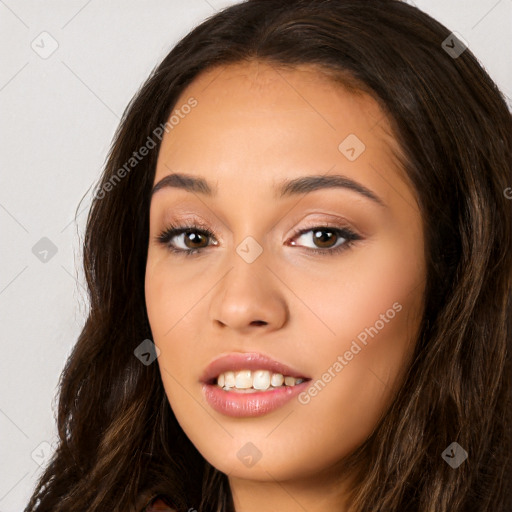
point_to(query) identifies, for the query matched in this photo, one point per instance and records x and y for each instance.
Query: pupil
(320, 238)
(194, 238)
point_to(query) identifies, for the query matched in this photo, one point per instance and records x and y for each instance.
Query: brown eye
(193, 239)
(185, 240)
(325, 239)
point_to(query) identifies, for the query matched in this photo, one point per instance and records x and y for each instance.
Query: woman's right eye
(190, 234)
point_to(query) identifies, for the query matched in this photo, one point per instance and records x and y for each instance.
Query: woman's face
(255, 298)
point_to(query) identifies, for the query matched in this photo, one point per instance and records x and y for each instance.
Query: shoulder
(159, 505)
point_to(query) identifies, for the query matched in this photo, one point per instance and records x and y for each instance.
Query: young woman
(299, 259)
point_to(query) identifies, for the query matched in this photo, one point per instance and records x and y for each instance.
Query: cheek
(355, 386)
(171, 297)
(373, 310)
(167, 303)
(175, 306)
(374, 295)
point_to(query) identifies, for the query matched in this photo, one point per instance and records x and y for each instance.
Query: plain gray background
(58, 115)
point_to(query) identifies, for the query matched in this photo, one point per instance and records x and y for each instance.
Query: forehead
(257, 122)
(261, 80)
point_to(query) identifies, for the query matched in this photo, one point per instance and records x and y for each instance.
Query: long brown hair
(120, 444)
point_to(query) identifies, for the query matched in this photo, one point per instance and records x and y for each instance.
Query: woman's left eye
(187, 236)
(324, 235)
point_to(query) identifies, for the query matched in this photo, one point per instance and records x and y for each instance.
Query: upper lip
(236, 361)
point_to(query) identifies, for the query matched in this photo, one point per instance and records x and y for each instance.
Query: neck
(312, 493)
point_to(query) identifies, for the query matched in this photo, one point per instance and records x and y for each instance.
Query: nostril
(258, 322)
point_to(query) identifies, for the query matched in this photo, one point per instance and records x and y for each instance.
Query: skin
(254, 126)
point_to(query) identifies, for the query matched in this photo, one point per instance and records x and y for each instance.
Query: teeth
(289, 381)
(243, 379)
(229, 379)
(261, 380)
(277, 380)
(258, 380)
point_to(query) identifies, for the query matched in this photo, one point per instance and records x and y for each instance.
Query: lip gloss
(236, 404)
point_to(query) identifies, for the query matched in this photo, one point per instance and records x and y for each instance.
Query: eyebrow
(286, 188)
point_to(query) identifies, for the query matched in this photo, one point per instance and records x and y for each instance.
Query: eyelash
(165, 237)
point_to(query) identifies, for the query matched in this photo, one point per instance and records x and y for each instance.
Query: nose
(249, 296)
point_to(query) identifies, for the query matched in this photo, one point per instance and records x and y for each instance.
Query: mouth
(248, 381)
(250, 384)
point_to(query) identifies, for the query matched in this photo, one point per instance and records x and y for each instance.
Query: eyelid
(338, 223)
(194, 222)
(335, 222)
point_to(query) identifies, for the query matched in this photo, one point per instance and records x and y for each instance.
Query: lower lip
(238, 405)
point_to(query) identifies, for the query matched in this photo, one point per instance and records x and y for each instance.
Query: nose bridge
(248, 293)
